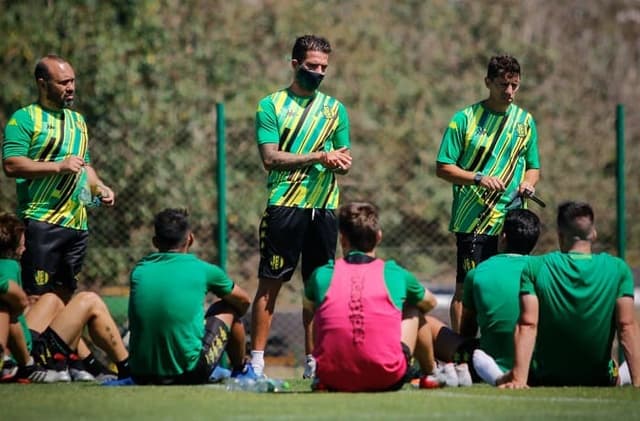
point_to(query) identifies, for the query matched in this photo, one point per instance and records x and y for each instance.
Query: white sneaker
(80, 375)
(62, 376)
(486, 367)
(448, 373)
(309, 368)
(464, 375)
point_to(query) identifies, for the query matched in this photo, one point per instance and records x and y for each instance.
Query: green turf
(94, 402)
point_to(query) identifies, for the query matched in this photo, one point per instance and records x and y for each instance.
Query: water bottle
(241, 384)
(83, 191)
(267, 385)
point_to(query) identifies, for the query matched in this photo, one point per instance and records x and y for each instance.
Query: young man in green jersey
(488, 152)
(491, 291)
(572, 303)
(173, 340)
(46, 150)
(303, 139)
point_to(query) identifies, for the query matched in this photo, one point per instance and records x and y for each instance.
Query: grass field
(94, 402)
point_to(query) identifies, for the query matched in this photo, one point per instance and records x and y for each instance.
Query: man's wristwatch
(477, 178)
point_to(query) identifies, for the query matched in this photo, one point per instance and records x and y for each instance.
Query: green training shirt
(10, 271)
(166, 311)
(502, 145)
(491, 290)
(50, 136)
(577, 296)
(402, 285)
(325, 128)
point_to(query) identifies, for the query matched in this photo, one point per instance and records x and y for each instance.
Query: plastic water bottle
(267, 385)
(261, 385)
(242, 384)
(83, 190)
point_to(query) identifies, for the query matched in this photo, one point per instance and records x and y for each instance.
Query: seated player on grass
(369, 314)
(572, 303)
(491, 294)
(60, 338)
(172, 340)
(15, 338)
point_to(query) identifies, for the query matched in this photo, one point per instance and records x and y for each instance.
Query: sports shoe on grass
(246, 373)
(447, 372)
(486, 367)
(78, 371)
(430, 381)
(127, 381)
(60, 365)
(464, 375)
(309, 367)
(9, 370)
(35, 373)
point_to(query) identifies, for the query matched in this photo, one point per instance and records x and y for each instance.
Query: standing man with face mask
(303, 138)
(489, 152)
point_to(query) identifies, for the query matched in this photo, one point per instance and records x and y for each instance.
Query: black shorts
(286, 233)
(53, 257)
(473, 249)
(210, 354)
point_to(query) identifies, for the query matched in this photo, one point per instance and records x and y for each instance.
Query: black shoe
(35, 373)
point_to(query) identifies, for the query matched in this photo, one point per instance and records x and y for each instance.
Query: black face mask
(307, 79)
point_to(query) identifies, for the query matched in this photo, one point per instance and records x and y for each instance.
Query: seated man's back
(577, 295)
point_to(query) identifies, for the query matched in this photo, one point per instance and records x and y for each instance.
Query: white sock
(257, 361)
(31, 362)
(624, 376)
(486, 367)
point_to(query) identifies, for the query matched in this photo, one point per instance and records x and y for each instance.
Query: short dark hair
(576, 219)
(309, 43)
(358, 221)
(502, 65)
(11, 230)
(171, 228)
(522, 229)
(42, 69)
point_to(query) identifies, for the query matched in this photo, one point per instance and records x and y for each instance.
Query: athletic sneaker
(35, 373)
(246, 373)
(430, 381)
(59, 364)
(448, 373)
(309, 367)
(9, 370)
(78, 371)
(464, 375)
(486, 367)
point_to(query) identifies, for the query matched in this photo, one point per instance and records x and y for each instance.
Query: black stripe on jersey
(50, 146)
(283, 138)
(287, 144)
(295, 184)
(329, 193)
(494, 141)
(66, 192)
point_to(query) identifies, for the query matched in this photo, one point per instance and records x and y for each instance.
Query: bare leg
(237, 346)
(83, 350)
(87, 308)
(445, 341)
(307, 324)
(455, 309)
(42, 311)
(18, 344)
(416, 334)
(262, 311)
(4, 332)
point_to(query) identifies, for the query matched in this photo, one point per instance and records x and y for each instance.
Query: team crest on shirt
(521, 129)
(328, 113)
(277, 262)
(480, 131)
(41, 277)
